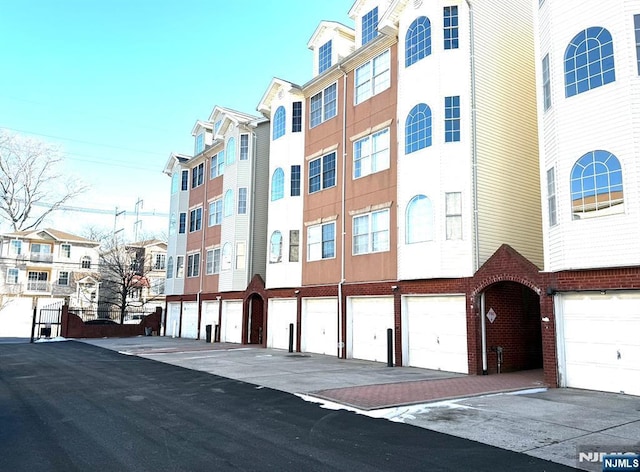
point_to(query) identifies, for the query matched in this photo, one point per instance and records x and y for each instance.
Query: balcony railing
(38, 286)
(40, 257)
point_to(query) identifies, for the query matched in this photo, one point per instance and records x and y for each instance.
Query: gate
(47, 321)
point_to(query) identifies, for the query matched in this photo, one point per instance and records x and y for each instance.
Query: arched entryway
(255, 319)
(511, 328)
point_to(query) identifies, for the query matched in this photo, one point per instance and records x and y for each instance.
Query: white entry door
(282, 313)
(231, 322)
(319, 332)
(172, 322)
(598, 341)
(189, 320)
(369, 318)
(435, 333)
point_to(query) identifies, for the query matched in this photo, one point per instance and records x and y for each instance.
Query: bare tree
(29, 178)
(124, 277)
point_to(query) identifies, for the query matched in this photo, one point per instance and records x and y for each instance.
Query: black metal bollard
(208, 332)
(389, 347)
(290, 337)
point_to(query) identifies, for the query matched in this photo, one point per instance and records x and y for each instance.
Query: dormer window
(370, 26)
(324, 57)
(199, 144)
(216, 127)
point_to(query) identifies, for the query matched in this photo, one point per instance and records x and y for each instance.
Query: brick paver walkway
(369, 397)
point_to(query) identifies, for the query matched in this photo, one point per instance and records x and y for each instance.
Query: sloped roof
(49, 234)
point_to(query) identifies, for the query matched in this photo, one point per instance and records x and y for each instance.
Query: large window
(296, 120)
(275, 247)
(453, 209)
(228, 203)
(324, 57)
(213, 261)
(418, 128)
(419, 220)
(321, 242)
(38, 281)
(231, 151)
(295, 181)
(596, 185)
(546, 82)
(551, 197)
(588, 61)
(371, 154)
(217, 165)
(277, 184)
(242, 201)
(244, 147)
(371, 232)
(279, 122)
(417, 42)
(322, 173)
(451, 27)
(193, 265)
(195, 220)
(215, 212)
(451, 119)
(369, 26)
(373, 77)
(323, 106)
(197, 175)
(225, 264)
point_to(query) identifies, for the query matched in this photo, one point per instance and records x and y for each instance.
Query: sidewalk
(512, 411)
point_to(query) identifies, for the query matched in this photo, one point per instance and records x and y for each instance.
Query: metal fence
(109, 312)
(47, 321)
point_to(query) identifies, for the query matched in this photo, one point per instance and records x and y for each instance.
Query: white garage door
(598, 343)
(319, 326)
(369, 318)
(16, 318)
(282, 313)
(231, 322)
(189, 320)
(172, 323)
(209, 317)
(435, 333)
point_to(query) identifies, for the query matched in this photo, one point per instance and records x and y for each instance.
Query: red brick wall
(74, 327)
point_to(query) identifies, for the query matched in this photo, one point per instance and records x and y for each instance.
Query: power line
(101, 211)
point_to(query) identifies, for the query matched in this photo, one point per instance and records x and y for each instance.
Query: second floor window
(85, 262)
(451, 119)
(16, 247)
(193, 265)
(321, 242)
(195, 220)
(179, 267)
(323, 106)
(275, 247)
(418, 128)
(295, 181)
(371, 154)
(322, 173)
(215, 212)
(371, 232)
(228, 203)
(453, 209)
(12, 275)
(213, 261)
(65, 251)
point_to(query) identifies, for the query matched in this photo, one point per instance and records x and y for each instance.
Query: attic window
(324, 57)
(370, 26)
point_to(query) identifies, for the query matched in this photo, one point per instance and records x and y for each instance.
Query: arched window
(596, 185)
(419, 220)
(226, 257)
(417, 43)
(231, 151)
(228, 203)
(588, 61)
(279, 122)
(418, 128)
(277, 184)
(85, 262)
(275, 247)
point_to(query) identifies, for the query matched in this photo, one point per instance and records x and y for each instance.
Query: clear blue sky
(120, 83)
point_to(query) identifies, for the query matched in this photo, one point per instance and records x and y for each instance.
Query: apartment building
(43, 267)
(588, 87)
(218, 226)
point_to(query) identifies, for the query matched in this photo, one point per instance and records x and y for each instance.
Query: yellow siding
(509, 207)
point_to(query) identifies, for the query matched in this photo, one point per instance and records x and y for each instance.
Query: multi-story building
(40, 268)
(217, 234)
(589, 108)
(151, 265)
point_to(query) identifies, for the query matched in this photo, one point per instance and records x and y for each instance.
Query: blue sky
(119, 84)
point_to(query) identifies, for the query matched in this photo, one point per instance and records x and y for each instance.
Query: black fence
(47, 321)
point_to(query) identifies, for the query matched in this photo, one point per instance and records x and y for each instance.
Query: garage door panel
(319, 331)
(437, 333)
(281, 314)
(172, 323)
(231, 322)
(600, 347)
(189, 327)
(370, 317)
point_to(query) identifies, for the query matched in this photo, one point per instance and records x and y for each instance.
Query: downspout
(474, 180)
(343, 219)
(203, 252)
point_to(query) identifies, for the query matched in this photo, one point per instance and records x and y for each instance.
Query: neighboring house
(589, 122)
(218, 227)
(404, 192)
(43, 267)
(152, 256)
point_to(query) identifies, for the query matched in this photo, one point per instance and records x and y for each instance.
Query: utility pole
(138, 223)
(117, 230)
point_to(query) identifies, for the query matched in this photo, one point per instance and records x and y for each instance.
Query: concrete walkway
(512, 411)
